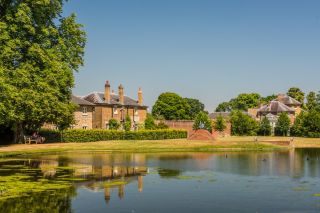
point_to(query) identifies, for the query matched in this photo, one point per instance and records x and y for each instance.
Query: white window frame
(115, 110)
(84, 110)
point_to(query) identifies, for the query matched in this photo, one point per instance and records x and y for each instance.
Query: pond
(282, 181)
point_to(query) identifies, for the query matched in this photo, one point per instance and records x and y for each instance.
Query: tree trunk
(18, 133)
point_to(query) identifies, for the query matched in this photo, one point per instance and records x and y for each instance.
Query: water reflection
(112, 174)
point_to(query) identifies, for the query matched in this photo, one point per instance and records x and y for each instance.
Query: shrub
(127, 123)
(114, 124)
(162, 125)
(149, 123)
(93, 135)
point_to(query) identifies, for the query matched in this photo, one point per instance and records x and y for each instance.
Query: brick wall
(187, 125)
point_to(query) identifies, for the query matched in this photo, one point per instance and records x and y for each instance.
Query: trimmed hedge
(105, 135)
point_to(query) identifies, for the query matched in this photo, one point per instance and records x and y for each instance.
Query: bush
(149, 123)
(105, 135)
(114, 124)
(162, 125)
(127, 123)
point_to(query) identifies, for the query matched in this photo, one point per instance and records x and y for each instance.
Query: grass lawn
(181, 145)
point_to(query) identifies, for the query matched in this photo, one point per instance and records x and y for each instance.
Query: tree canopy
(171, 106)
(195, 107)
(39, 51)
(296, 93)
(243, 102)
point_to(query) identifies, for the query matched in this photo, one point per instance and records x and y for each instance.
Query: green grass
(180, 145)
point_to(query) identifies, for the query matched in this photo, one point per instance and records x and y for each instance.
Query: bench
(29, 140)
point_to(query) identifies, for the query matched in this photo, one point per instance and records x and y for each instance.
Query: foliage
(283, 125)
(171, 106)
(149, 123)
(296, 93)
(39, 51)
(297, 128)
(202, 121)
(243, 102)
(311, 101)
(242, 124)
(219, 124)
(264, 127)
(114, 124)
(195, 107)
(267, 99)
(127, 123)
(93, 135)
(224, 107)
(162, 125)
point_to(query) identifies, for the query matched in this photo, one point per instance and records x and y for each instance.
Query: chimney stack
(121, 94)
(140, 97)
(107, 92)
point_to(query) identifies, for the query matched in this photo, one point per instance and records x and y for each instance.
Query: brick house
(108, 105)
(282, 104)
(83, 115)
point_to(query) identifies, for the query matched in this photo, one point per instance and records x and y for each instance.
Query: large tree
(171, 106)
(245, 101)
(296, 93)
(39, 52)
(195, 107)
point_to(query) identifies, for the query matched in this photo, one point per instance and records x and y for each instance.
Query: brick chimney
(121, 94)
(107, 97)
(140, 97)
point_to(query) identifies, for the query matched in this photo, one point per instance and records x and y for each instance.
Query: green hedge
(105, 135)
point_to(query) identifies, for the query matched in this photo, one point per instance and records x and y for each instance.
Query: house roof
(287, 100)
(98, 98)
(80, 101)
(275, 107)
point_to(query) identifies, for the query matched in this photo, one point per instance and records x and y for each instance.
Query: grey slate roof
(287, 100)
(80, 101)
(275, 107)
(98, 98)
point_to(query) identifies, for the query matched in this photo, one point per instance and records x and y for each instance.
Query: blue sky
(205, 49)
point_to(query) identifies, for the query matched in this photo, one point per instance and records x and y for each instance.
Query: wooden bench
(29, 140)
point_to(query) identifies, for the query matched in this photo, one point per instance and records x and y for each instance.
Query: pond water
(284, 181)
